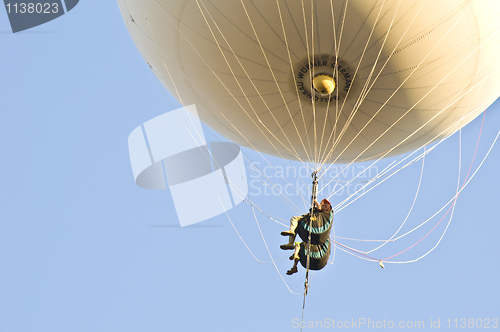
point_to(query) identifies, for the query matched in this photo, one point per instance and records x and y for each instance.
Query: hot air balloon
(324, 81)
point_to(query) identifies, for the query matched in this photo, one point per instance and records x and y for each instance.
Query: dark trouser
(314, 263)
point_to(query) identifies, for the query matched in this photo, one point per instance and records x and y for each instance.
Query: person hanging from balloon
(319, 226)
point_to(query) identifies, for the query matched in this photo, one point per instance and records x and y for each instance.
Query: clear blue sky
(78, 253)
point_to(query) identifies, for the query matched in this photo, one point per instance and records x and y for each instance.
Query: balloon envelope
(406, 72)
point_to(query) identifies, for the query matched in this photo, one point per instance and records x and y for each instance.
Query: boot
(294, 222)
(289, 245)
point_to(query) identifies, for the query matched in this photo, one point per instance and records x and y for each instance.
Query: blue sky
(78, 251)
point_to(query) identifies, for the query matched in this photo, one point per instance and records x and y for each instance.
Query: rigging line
(464, 115)
(239, 235)
(455, 68)
(250, 79)
(454, 198)
(353, 112)
(362, 24)
(297, 209)
(283, 197)
(308, 61)
(441, 141)
(246, 158)
(180, 99)
(175, 87)
(366, 88)
(335, 48)
(275, 32)
(221, 201)
(449, 105)
(298, 177)
(308, 246)
(341, 205)
(487, 154)
(252, 205)
(293, 75)
(199, 135)
(244, 243)
(269, 216)
(380, 174)
(451, 206)
(343, 11)
(313, 91)
(336, 70)
(327, 118)
(357, 256)
(361, 240)
(239, 104)
(266, 214)
(244, 155)
(361, 97)
(386, 170)
(334, 247)
(391, 97)
(303, 310)
(336, 74)
(262, 173)
(294, 153)
(413, 71)
(250, 143)
(279, 190)
(237, 27)
(354, 250)
(270, 255)
(288, 201)
(445, 130)
(409, 212)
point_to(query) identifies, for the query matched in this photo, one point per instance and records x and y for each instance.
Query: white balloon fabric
(407, 72)
(204, 180)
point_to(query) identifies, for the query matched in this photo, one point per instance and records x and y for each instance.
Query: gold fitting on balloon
(324, 84)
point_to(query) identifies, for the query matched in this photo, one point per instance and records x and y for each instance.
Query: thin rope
(209, 101)
(270, 255)
(455, 197)
(390, 97)
(409, 212)
(293, 75)
(353, 112)
(471, 88)
(294, 153)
